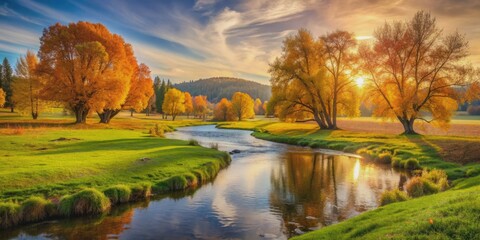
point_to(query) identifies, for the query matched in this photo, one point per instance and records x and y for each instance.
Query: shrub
(34, 209)
(157, 131)
(303, 142)
(414, 187)
(86, 202)
(411, 164)
(118, 194)
(437, 177)
(472, 172)
(385, 157)
(141, 191)
(10, 214)
(193, 142)
(397, 162)
(392, 197)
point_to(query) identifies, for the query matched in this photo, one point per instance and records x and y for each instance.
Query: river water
(270, 190)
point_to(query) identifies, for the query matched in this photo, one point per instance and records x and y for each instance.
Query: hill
(224, 87)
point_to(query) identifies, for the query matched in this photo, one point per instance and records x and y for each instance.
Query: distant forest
(224, 87)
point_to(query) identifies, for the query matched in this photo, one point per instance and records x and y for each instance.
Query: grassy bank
(453, 214)
(55, 170)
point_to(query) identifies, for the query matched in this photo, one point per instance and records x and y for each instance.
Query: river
(270, 190)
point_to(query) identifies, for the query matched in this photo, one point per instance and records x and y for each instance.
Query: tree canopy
(242, 106)
(174, 102)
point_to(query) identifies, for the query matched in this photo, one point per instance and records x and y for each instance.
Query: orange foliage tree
(242, 106)
(86, 67)
(415, 72)
(138, 97)
(174, 102)
(188, 104)
(200, 106)
(223, 111)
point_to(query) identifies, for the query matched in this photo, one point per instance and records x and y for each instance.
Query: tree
(265, 107)
(258, 107)
(242, 106)
(308, 82)
(174, 103)
(223, 111)
(138, 96)
(415, 71)
(160, 90)
(7, 81)
(86, 67)
(188, 104)
(200, 106)
(339, 61)
(2, 97)
(27, 86)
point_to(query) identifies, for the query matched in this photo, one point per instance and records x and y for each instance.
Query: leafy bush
(141, 191)
(392, 197)
(385, 157)
(193, 142)
(34, 209)
(420, 186)
(10, 214)
(118, 194)
(411, 164)
(397, 162)
(157, 131)
(86, 202)
(437, 177)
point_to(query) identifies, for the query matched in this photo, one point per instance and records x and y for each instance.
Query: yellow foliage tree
(174, 102)
(86, 67)
(311, 79)
(258, 107)
(415, 73)
(2, 97)
(200, 106)
(223, 111)
(27, 86)
(188, 104)
(242, 106)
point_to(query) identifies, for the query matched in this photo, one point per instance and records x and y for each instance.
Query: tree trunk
(107, 115)
(319, 120)
(34, 115)
(81, 113)
(407, 125)
(131, 112)
(11, 108)
(173, 117)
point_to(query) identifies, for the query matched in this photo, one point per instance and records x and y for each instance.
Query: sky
(186, 40)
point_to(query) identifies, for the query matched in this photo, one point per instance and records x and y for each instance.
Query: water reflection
(270, 190)
(315, 190)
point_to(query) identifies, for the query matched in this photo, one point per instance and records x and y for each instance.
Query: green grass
(35, 164)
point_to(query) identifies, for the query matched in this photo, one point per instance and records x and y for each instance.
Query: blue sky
(187, 40)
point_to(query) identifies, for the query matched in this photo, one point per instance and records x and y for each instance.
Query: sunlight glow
(363, 37)
(360, 81)
(356, 170)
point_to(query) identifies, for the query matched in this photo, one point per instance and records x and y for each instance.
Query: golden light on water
(356, 170)
(360, 81)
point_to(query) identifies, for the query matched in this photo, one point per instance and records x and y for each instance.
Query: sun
(360, 81)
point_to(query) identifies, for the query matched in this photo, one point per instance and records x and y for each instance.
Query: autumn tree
(200, 106)
(223, 111)
(258, 107)
(242, 106)
(7, 81)
(27, 86)
(265, 107)
(308, 82)
(188, 104)
(174, 102)
(2, 97)
(415, 71)
(139, 94)
(86, 67)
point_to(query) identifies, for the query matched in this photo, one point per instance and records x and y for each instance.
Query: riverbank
(51, 169)
(452, 214)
